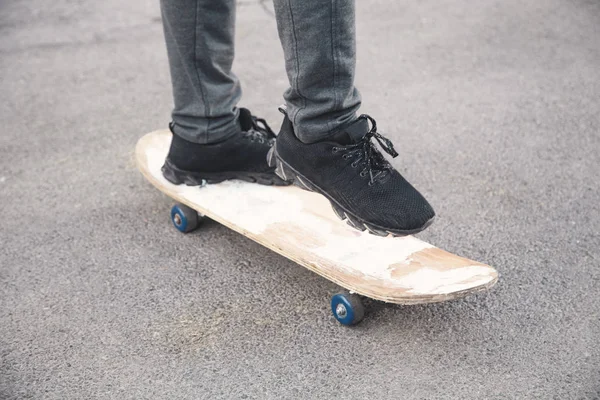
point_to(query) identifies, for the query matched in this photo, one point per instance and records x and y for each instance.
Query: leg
(200, 44)
(319, 42)
(322, 145)
(212, 139)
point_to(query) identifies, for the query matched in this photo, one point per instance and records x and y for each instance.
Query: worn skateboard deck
(301, 226)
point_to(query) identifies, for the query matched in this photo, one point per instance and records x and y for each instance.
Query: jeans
(319, 43)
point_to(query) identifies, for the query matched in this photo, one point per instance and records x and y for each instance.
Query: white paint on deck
(256, 207)
(428, 280)
(303, 227)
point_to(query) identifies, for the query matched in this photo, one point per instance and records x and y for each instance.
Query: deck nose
(431, 281)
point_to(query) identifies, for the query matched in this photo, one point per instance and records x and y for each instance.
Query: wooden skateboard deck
(301, 226)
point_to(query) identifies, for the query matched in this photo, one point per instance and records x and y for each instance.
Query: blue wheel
(184, 218)
(347, 308)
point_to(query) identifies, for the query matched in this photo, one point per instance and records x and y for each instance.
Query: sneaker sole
(178, 176)
(287, 173)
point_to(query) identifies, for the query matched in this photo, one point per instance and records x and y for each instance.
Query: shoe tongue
(245, 119)
(352, 133)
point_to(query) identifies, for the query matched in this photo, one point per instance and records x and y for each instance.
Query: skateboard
(302, 226)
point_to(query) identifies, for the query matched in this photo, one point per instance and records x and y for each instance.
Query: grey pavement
(495, 109)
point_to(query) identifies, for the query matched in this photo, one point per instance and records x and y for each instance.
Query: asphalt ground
(495, 109)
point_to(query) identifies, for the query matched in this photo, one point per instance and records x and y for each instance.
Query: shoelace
(375, 165)
(260, 130)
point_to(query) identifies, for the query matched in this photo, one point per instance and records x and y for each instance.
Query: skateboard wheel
(347, 308)
(184, 218)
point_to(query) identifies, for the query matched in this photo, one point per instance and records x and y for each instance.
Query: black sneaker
(362, 186)
(242, 156)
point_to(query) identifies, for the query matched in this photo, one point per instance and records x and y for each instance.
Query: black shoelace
(260, 130)
(375, 165)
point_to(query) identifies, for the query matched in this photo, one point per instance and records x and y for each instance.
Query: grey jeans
(318, 40)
